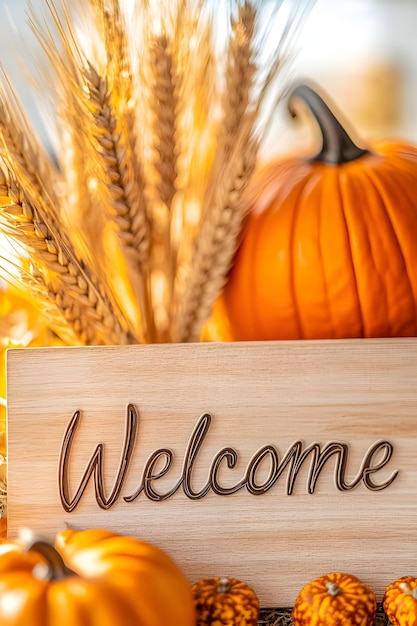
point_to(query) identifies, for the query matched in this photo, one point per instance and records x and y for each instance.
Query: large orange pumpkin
(330, 246)
(93, 578)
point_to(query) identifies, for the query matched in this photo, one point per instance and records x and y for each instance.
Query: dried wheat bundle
(160, 110)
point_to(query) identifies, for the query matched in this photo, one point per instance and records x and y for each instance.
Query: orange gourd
(93, 578)
(329, 249)
(400, 601)
(335, 600)
(225, 601)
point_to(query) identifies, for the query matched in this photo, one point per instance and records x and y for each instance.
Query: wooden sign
(270, 462)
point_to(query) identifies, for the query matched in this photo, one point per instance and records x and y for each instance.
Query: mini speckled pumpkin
(400, 601)
(335, 600)
(225, 601)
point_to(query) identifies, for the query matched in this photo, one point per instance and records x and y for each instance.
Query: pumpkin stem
(54, 567)
(223, 586)
(337, 147)
(408, 590)
(333, 589)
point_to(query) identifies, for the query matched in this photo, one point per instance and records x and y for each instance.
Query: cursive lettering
(376, 458)
(95, 465)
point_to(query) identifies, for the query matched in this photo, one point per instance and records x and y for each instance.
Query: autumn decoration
(335, 599)
(329, 248)
(225, 601)
(131, 224)
(151, 210)
(121, 225)
(400, 601)
(91, 577)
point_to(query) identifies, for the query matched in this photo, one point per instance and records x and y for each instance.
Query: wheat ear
(120, 190)
(163, 106)
(92, 316)
(101, 100)
(100, 105)
(87, 194)
(112, 93)
(240, 70)
(198, 102)
(222, 216)
(22, 152)
(215, 245)
(125, 201)
(31, 282)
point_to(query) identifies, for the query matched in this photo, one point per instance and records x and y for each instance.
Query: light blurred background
(363, 53)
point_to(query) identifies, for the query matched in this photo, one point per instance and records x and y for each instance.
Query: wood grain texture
(357, 392)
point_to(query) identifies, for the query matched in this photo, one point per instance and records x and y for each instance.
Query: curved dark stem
(338, 147)
(56, 568)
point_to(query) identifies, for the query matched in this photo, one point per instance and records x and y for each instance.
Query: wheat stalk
(120, 186)
(92, 316)
(121, 192)
(122, 92)
(240, 70)
(84, 195)
(82, 215)
(102, 104)
(112, 102)
(163, 109)
(164, 104)
(121, 98)
(198, 121)
(32, 282)
(215, 245)
(222, 216)
(23, 154)
(240, 135)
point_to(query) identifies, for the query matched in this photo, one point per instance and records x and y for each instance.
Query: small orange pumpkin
(335, 600)
(329, 249)
(94, 578)
(400, 601)
(225, 601)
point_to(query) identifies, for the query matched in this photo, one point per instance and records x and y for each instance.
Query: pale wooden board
(357, 392)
